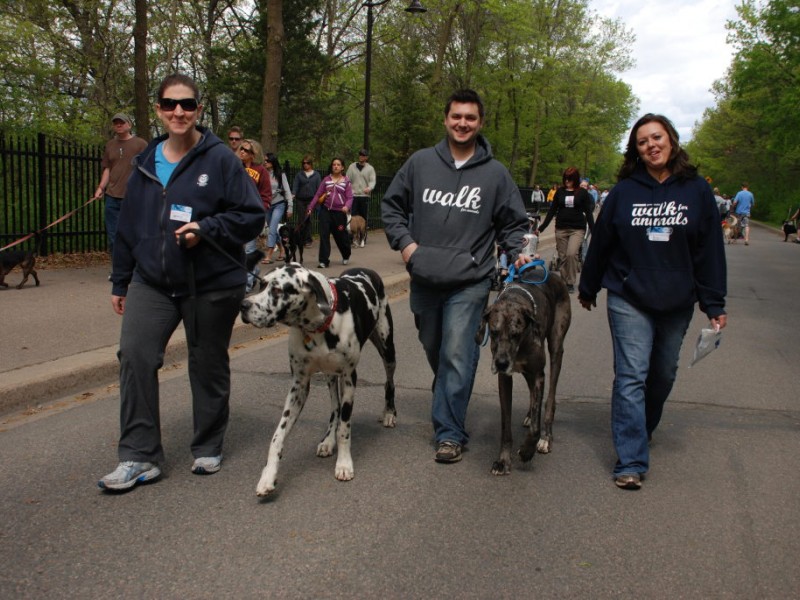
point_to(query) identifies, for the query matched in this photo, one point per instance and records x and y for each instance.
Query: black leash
(192, 320)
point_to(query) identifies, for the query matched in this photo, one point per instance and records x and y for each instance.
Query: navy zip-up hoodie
(455, 215)
(212, 181)
(659, 246)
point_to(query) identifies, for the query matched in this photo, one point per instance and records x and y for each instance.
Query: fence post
(42, 168)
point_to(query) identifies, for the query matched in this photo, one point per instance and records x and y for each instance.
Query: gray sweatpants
(149, 320)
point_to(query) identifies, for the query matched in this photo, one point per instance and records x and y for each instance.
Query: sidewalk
(61, 338)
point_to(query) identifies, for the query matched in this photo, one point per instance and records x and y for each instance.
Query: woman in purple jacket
(336, 205)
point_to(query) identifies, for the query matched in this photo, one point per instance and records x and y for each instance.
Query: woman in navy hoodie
(657, 248)
(186, 188)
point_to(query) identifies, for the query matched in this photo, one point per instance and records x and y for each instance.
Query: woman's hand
(719, 322)
(190, 240)
(118, 304)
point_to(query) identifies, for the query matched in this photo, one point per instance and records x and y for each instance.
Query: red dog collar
(324, 327)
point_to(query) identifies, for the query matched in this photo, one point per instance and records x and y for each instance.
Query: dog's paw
(543, 447)
(265, 487)
(501, 467)
(325, 449)
(389, 419)
(344, 471)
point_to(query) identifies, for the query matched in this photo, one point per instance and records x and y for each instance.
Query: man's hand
(524, 259)
(719, 322)
(408, 251)
(587, 304)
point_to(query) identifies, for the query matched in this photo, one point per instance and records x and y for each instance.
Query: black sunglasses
(170, 104)
(233, 139)
(248, 150)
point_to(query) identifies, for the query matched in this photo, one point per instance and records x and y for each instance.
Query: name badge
(569, 201)
(181, 213)
(659, 234)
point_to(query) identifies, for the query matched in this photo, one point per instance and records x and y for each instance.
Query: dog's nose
(243, 308)
(501, 365)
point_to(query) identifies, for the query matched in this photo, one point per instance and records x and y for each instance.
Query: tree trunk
(272, 76)
(140, 83)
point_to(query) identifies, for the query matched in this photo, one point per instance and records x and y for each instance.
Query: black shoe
(629, 481)
(448, 452)
(571, 289)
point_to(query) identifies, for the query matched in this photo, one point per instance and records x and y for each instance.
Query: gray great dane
(522, 319)
(329, 322)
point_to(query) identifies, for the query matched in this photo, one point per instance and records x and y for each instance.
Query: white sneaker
(345, 261)
(128, 473)
(207, 465)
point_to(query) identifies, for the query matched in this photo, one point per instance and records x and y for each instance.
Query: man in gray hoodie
(444, 211)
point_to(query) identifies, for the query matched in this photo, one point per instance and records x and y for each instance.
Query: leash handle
(514, 273)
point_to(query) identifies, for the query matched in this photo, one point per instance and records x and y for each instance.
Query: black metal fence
(42, 180)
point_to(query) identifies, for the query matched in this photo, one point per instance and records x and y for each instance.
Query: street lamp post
(414, 7)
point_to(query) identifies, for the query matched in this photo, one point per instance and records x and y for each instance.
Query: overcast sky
(680, 51)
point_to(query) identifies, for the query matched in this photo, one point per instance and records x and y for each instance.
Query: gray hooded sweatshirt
(455, 215)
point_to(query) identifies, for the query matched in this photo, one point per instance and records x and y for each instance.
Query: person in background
(743, 203)
(117, 164)
(794, 218)
(252, 157)
(282, 204)
(363, 178)
(235, 137)
(537, 197)
(551, 194)
(463, 203)
(723, 205)
(189, 189)
(657, 248)
(336, 204)
(304, 187)
(572, 209)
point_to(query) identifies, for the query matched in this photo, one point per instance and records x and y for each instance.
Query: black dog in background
(292, 243)
(25, 259)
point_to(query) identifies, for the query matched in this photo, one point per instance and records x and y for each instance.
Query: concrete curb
(32, 386)
(35, 385)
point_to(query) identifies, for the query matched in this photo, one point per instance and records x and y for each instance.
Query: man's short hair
(237, 129)
(465, 96)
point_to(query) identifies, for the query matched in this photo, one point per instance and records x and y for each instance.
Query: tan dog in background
(358, 229)
(730, 229)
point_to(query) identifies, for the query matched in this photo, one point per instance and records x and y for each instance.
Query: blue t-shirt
(164, 168)
(744, 202)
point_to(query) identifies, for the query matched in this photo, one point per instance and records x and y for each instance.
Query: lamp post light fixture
(414, 7)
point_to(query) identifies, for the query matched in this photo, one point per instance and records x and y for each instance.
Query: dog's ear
(315, 287)
(481, 333)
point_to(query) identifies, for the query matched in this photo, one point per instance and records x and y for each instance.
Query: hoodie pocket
(442, 266)
(660, 290)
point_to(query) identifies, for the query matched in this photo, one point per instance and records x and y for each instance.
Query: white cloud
(680, 50)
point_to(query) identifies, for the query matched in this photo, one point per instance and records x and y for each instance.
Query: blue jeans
(249, 248)
(447, 321)
(274, 217)
(113, 206)
(646, 350)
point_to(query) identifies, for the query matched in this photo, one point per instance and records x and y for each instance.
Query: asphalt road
(718, 516)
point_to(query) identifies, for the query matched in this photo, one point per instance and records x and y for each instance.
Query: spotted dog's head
(510, 321)
(290, 295)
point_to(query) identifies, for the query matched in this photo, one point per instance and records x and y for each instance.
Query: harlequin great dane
(521, 319)
(329, 322)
